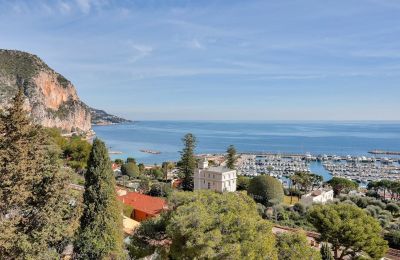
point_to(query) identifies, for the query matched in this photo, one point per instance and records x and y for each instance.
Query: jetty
(384, 152)
(150, 151)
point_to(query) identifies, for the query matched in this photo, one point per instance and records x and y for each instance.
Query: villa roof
(148, 204)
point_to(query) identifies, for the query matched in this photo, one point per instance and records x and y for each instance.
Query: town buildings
(318, 196)
(218, 179)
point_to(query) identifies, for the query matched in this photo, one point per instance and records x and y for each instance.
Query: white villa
(219, 179)
(318, 196)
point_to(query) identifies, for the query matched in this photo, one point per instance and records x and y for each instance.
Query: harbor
(362, 169)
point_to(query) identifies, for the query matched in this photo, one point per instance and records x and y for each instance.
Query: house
(318, 196)
(219, 178)
(144, 206)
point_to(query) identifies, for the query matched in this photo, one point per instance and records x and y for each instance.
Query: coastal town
(196, 130)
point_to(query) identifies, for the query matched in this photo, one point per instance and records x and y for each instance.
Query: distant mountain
(100, 117)
(51, 99)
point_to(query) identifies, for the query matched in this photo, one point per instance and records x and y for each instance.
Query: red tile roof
(148, 204)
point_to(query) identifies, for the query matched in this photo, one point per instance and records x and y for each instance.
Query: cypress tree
(100, 233)
(231, 157)
(188, 161)
(35, 214)
(326, 253)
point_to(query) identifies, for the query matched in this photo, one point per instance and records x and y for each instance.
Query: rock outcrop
(51, 99)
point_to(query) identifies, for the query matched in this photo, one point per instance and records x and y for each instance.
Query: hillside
(52, 99)
(100, 117)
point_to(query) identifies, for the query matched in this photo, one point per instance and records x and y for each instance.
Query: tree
(325, 251)
(349, 229)
(144, 185)
(36, 217)
(100, 235)
(294, 246)
(266, 189)
(204, 224)
(242, 182)
(188, 161)
(340, 185)
(141, 167)
(130, 169)
(231, 157)
(131, 160)
(393, 208)
(119, 161)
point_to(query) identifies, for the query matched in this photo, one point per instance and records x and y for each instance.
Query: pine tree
(100, 233)
(231, 157)
(326, 253)
(188, 161)
(35, 215)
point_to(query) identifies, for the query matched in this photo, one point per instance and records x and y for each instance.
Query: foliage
(148, 237)
(349, 229)
(393, 208)
(242, 182)
(393, 237)
(231, 157)
(205, 224)
(155, 173)
(119, 161)
(131, 160)
(130, 169)
(144, 185)
(127, 210)
(306, 181)
(294, 246)
(38, 213)
(160, 190)
(325, 251)
(75, 150)
(340, 185)
(100, 235)
(187, 164)
(265, 189)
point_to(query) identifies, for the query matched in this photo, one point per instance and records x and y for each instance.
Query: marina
(358, 168)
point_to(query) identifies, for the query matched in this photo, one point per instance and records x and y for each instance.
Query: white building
(318, 196)
(214, 178)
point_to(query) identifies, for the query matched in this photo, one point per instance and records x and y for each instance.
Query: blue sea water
(332, 138)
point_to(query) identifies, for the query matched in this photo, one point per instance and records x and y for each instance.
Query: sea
(316, 138)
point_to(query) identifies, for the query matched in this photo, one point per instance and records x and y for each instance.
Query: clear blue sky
(232, 60)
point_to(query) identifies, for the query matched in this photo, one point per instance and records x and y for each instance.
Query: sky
(219, 60)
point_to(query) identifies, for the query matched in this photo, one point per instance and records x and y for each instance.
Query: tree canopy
(100, 232)
(340, 185)
(231, 157)
(205, 224)
(266, 189)
(187, 164)
(294, 246)
(130, 169)
(37, 218)
(349, 229)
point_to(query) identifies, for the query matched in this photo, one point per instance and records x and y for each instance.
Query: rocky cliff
(51, 99)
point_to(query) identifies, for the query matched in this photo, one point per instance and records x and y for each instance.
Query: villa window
(209, 186)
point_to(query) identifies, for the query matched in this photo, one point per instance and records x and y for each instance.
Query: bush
(393, 208)
(393, 237)
(130, 169)
(266, 189)
(242, 182)
(300, 208)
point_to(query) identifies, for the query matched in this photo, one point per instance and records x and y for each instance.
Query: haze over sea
(332, 138)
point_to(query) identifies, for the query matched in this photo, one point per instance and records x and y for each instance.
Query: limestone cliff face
(51, 99)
